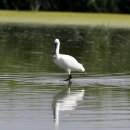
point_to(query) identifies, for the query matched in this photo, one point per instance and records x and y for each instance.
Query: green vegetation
(61, 18)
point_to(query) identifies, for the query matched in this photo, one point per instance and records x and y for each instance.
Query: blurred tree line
(110, 6)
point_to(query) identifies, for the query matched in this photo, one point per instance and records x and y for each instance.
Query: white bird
(67, 62)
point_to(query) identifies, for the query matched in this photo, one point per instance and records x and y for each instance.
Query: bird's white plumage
(66, 62)
(57, 40)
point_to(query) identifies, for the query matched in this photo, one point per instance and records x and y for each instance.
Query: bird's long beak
(54, 51)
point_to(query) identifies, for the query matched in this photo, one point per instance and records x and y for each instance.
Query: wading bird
(66, 62)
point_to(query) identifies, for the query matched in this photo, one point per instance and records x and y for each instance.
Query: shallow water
(33, 95)
(31, 101)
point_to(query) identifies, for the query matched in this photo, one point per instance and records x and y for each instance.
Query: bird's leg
(69, 78)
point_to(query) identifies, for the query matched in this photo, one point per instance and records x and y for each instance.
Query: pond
(33, 95)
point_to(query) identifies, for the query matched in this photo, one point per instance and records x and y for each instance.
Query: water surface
(33, 95)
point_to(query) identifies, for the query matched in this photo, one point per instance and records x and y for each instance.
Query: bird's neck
(57, 50)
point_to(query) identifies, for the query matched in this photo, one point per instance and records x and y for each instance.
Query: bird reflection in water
(66, 100)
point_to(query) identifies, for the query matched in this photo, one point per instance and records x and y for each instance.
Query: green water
(101, 50)
(33, 95)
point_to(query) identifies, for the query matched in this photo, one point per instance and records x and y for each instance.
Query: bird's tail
(81, 68)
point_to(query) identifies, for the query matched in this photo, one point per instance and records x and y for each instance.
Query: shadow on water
(66, 100)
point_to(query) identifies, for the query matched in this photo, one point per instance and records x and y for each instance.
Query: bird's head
(57, 44)
(57, 41)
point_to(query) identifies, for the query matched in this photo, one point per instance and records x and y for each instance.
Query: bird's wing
(70, 62)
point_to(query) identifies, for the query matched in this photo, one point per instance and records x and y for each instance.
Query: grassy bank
(61, 18)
